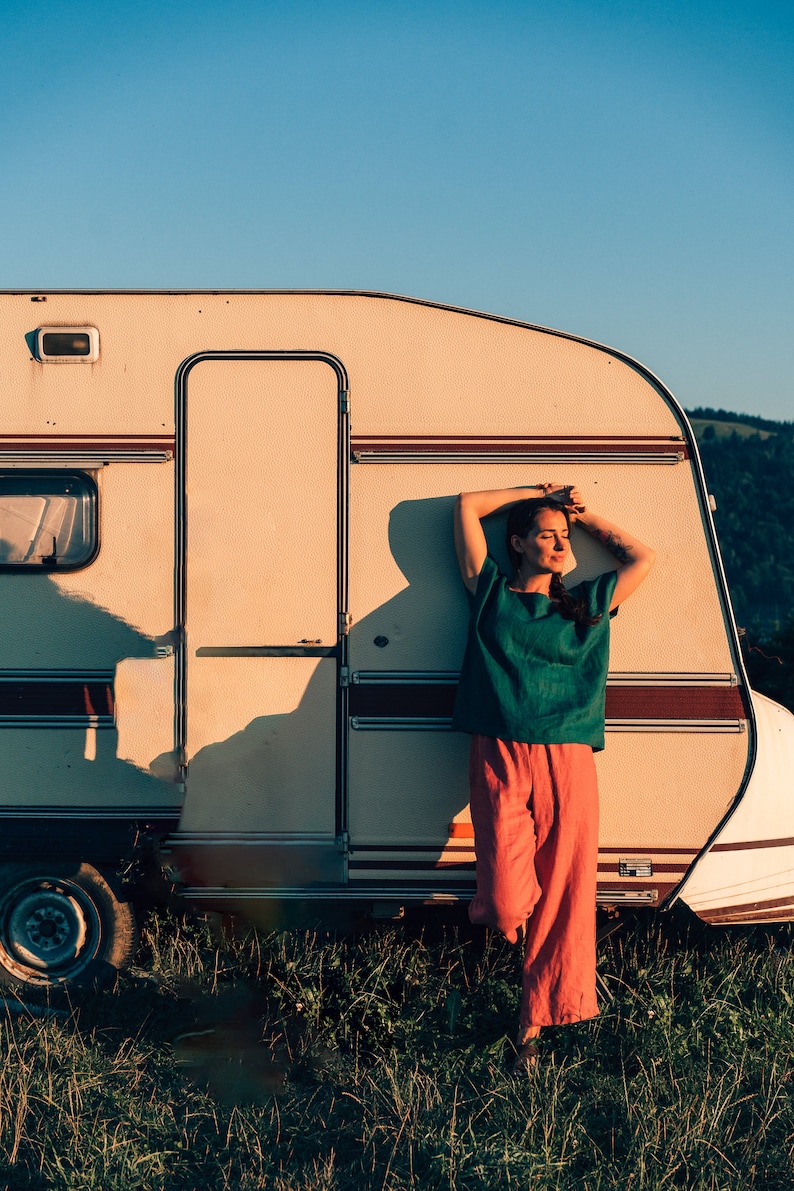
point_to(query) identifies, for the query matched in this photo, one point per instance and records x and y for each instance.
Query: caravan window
(48, 521)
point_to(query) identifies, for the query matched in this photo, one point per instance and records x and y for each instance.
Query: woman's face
(546, 546)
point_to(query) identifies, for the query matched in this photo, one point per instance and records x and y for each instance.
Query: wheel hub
(47, 928)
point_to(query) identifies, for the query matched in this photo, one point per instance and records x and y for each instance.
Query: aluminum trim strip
(550, 457)
(57, 721)
(267, 651)
(82, 459)
(93, 813)
(675, 725)
(614, 678)
(252, 839)
(444, 724)
(360, 892)
(78, 677)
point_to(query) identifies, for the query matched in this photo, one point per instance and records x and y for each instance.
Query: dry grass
(300, 1062)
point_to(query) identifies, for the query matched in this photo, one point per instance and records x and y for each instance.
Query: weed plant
(299, 1061)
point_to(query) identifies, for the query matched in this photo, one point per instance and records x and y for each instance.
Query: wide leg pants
(535, 813)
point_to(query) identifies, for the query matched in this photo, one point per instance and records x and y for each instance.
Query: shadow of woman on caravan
(409, 786)
(260, 807)
(58, 744)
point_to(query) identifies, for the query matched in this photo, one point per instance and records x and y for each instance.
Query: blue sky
(621, 170)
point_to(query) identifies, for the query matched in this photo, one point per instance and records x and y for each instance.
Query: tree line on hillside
(706, 413)
(751, 480)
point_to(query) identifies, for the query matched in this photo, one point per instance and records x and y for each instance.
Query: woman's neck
(537, 583)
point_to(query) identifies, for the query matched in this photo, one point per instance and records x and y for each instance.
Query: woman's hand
(634, 558)
(570, 497)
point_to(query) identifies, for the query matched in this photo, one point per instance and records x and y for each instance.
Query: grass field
(303, 1062)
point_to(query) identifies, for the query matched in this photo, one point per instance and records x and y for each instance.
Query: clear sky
(622, 170)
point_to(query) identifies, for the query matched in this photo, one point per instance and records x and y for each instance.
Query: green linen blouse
(529, 674)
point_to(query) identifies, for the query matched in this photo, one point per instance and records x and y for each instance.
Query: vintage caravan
(233, 620)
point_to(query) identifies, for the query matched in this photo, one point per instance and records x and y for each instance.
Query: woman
(531, 694)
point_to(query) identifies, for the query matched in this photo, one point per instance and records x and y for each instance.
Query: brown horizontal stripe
(675, 703)
(408, 865)
(768, 905)
(786, 914)
(629, 852)
(648, 850)
(56, 698)
(749, 845)
(397, 848)
(520, 447)
(583, 438)
(655, 703)
(69, 447)
(57, 438)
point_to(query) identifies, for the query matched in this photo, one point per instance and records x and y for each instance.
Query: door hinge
(345, 621)
(344, 401)
(344, 676)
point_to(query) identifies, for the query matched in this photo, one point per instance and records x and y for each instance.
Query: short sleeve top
(529, 674)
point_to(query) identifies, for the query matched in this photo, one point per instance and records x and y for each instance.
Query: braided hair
(519, 522)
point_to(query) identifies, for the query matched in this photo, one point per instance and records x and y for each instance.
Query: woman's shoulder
(490, 578)
(597, 591)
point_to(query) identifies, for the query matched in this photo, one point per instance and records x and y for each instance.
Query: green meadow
(380, 1059)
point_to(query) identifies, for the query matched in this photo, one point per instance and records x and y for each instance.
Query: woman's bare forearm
(634, 558)
(481, 504)
(625, 547)
(470, 508)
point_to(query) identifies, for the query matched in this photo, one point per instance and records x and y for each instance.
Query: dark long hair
(519, 522)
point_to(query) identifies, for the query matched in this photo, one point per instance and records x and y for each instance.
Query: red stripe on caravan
(464, 830)
(560, 446)
(769, 906)
(749, 845)
(622, 703)
(583, 438)
(649, 850)
(87, 443)
(83, 437)
(675, 703)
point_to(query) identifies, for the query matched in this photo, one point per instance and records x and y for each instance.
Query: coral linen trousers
(535, 813)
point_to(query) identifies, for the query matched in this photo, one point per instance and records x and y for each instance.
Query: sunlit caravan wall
(226, 555)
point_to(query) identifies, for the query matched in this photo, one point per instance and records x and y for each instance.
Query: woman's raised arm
(634, 558)
(470, 508)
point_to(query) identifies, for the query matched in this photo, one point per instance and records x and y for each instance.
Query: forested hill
(749, 468)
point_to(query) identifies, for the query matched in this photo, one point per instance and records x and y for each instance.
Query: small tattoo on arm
(614, 545)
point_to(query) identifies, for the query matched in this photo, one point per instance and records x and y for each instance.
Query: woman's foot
(527, 1051)
(527, 1058)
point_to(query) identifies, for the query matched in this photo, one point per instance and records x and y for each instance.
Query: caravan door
(262, 453)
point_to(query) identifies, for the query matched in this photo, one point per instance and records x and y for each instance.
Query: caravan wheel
(61, 924)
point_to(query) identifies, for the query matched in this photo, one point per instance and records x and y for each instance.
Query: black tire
(62, 925)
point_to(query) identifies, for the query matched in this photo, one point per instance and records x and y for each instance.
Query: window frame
(90, 493)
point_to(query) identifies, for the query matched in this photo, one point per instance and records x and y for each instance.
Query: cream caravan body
(234, 621)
